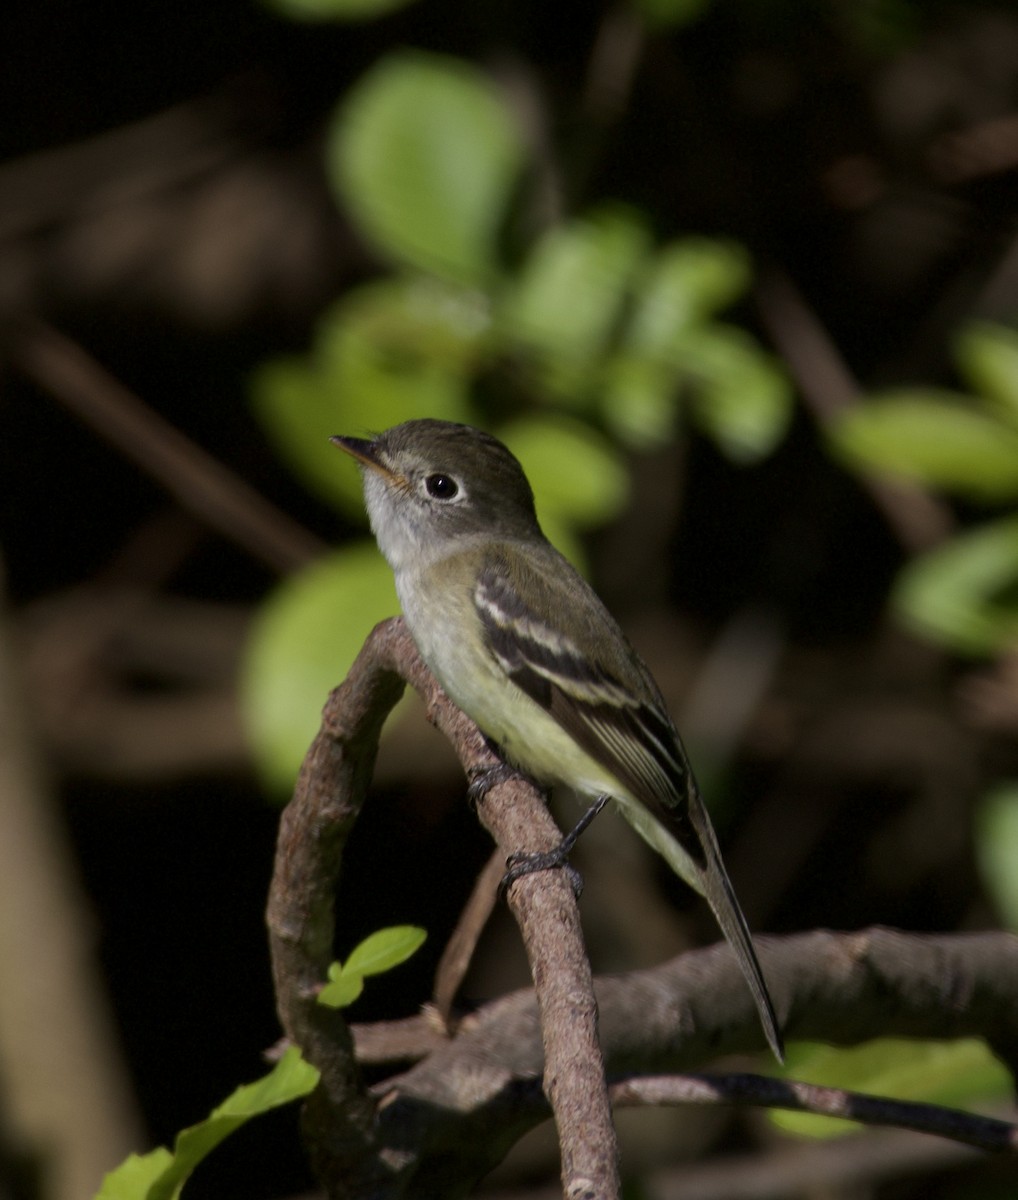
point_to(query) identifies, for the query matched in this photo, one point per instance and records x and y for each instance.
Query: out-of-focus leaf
(423, 153)
(997, 849)
(304, 639)
(386, 353)
(639, 400)
(336, 10)
(988, 357)
(935, 437)
(668, 14)
(963, 593)
(385, 949)
(740, 396)
(572, 289)
(415, 322)
(137, 1179)
(576, 475)
(687, 282)
(961, 1074)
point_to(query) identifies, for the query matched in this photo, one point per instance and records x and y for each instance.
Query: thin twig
(759, 1091)
(459, 950)
(199, 482)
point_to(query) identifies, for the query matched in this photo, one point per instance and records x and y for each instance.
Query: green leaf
(571, 292)
(160, 1175)
(935, 437)
(342, 989)
(958, 1073)
(424, 154)
(740, 396)
(687, 282)
(301, 645)
(963, 593)
(385, 949)
(336, 10)
(386, 353)
(996, 832)
(136, 1175)
(988, 357)
(577, 476)
(380, 951)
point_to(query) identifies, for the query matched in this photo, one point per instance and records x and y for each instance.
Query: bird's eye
(442, 487)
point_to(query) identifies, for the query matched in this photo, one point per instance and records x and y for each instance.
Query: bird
(524, 646)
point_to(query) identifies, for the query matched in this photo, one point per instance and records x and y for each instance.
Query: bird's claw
(524, 863)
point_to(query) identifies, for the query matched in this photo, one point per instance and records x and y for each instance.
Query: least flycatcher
(525, 648)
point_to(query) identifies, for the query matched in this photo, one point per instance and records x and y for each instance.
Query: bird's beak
(365, 453)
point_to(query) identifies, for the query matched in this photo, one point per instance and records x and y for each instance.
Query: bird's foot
(483, 779)
(524, 863)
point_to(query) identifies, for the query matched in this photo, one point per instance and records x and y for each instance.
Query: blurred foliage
(961, 1073)
(592, 336)
(336, 10)
(963, 594)
(997, 849)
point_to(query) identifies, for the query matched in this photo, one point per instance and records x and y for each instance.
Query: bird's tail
(706, 874)
(720, 895)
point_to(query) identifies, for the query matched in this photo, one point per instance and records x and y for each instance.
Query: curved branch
(357, 1150)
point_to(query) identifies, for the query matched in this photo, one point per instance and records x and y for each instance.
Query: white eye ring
(441, 486)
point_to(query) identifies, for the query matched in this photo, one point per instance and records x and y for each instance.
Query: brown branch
(198, 481)
(357, 1150)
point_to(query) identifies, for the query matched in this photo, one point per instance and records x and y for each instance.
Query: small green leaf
(935, 437)
(385, 949)
(572, 288)
(962, 593)
(342, 989)
(577, 476)
(997, 849)
(958, 1073)
(988, 357)
(301, 645)
(740, 396)
(160, 1175)
(336, 10)
(424, 154)
(687, 282)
